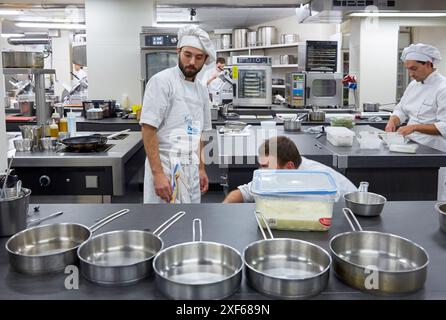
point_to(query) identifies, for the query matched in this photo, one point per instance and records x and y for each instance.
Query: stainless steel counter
(233, 225)
(115, 161)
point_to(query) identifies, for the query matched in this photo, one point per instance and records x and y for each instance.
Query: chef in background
(287, 157)
(423, 104)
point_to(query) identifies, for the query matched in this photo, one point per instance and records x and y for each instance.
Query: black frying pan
(85, 143)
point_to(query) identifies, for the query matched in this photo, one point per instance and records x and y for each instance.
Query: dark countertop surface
(233, 225)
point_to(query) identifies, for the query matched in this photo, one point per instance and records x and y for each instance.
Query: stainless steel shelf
(28, 71)
(274, 46)
(285, 66)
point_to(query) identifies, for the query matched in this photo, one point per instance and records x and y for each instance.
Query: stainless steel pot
(226, 41)
(286, 59)
(441, 209)
(27, 108)
(397, 264)
(50, 248)
(22, 59)
(267, 35)
(292, 125)
(316, 115)
(366, 204)
(288, 38)
(252, 38)
(198, 269)
(286, 268)
(122, 257)
(13, 213)
(370, 107)
(95, 114)
(239, 38)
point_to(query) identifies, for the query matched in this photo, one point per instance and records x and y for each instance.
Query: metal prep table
(233, 225)
(93, 176)
(397, 176)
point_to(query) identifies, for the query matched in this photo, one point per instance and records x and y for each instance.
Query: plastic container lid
(339, 131)
(292, 183)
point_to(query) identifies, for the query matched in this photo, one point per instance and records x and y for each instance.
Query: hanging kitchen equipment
(286, 268)
(51, 247)
(198, 269)
(399, 265)
(122, 257)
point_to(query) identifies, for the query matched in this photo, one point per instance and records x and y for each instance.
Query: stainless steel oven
(303, 89)
(253, 82)
(158, 51)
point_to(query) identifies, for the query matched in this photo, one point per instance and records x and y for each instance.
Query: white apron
(179, 138)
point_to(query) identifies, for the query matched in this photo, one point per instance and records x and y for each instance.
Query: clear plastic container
(340, 136)
(71, 119)
(295, 199)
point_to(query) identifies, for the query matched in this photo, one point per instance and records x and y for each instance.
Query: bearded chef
(174, 115)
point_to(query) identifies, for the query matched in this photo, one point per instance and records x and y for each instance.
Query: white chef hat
(193, 36)
(421, 52)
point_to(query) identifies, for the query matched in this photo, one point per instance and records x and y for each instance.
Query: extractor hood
(336, 11)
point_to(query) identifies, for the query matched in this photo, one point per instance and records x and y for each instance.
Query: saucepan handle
(108, 219)
(256, 215)
(200, 229)
(348, 212)
(166, 225)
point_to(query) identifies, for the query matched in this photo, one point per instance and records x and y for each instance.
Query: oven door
(254, 85)
(324, 89)
(154, 61)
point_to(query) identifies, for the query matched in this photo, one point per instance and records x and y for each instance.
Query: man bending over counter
(287, 157)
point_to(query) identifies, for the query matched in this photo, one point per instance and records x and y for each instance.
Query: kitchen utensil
(399, 265)
(34, 133)
(3, 195)
(19, 187)
(289, 38)
(252, 38)
(22, 59)
(370, 107)
(239, 38)
(13, 213)
(18, 145)
(286, 59)
(122, 257)
(316, 116)
(50, 248)
(94, 114)
(85, 143)
(226, 41)
(292, 124)
(49, 143)
(114, 135)
(285, 268)
(364, 203)
(39, 220)
(267, 35)
(27, 144)
(198, 269)
(27, 108)
(441, 209)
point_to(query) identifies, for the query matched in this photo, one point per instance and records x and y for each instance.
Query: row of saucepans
(278, 267)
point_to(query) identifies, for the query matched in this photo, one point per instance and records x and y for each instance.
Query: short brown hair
(221, 60)
(285, 148)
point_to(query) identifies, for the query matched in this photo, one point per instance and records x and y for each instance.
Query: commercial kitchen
(354, 89)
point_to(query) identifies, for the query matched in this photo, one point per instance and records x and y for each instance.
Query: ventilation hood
(337, 11)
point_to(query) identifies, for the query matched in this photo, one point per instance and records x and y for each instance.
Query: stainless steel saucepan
(286, 268)
(122, 257)
(378, 262)
(52, 247)
(198, 269)
(441, 209)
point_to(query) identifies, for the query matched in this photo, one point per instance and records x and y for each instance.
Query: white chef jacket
(425, 103)
(342, 183)
(179, 110)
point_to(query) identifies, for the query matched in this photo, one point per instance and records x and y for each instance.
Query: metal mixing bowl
(366, 204)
